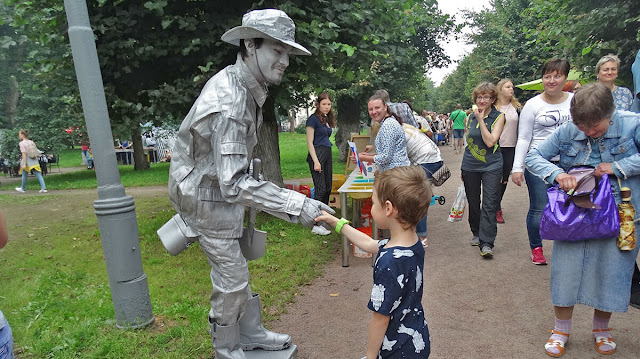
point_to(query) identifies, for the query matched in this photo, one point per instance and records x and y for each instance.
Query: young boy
(398, 328)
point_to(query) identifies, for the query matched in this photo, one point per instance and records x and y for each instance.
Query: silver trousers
(229, 279)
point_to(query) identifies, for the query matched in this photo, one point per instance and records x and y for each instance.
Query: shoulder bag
(33, 151)
(440, 176)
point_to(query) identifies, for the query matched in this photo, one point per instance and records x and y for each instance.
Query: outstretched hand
(312, 209)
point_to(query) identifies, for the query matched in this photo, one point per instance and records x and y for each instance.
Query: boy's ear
(389, 209)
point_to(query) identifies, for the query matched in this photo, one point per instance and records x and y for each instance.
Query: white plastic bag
(457, 210)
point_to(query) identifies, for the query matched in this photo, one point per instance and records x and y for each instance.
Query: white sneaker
(321, 231)
(19, 189)
(43, 191)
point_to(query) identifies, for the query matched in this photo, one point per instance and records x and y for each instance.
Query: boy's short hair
(408, 189)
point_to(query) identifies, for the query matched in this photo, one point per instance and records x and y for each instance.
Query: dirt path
(475, 308)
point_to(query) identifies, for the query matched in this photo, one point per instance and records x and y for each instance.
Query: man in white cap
(210, 182)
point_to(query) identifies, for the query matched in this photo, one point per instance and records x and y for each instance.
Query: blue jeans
(421, 228)
(6, 342)
(38, 176)
(86, 155)
(537, 200)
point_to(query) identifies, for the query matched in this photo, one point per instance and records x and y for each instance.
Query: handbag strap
(571, 194)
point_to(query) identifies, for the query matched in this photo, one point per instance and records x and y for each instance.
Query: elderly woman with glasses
(592, 272)
(607, 72)
(482, 167)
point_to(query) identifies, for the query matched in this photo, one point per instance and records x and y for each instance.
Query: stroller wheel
(441, 200)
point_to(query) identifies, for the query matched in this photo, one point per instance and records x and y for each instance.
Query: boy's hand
(328, 218)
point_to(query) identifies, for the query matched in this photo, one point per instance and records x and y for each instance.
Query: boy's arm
(358, 238)
(377, 330)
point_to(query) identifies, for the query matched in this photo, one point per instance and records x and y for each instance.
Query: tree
(504, 49)
(155, 55)
(590, 29)
(361, 46)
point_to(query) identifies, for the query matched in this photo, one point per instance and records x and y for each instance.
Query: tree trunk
(139, 159)
(11, 102)
(292, 121)
(348, 122)
(268, 148)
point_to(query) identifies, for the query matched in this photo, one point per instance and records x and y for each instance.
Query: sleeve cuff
(295, 200)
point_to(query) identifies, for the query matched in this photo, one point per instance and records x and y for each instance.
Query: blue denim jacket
(619, 146)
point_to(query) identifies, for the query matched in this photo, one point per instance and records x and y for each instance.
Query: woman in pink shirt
(28, 164)
(509, 105)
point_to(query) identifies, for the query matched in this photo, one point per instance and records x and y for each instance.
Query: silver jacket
(209, 179)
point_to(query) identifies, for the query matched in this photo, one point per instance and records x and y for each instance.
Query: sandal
(424, 242)
(557, 344)
(600, 341)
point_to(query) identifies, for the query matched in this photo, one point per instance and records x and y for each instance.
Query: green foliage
(590, 29)
(503, 50)
(156, 55)
(301, 128)
(9, 149)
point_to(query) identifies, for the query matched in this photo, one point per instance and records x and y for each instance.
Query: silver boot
(253, 335)
(226, 341)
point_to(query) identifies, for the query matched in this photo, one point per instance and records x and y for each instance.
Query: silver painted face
(272, 59)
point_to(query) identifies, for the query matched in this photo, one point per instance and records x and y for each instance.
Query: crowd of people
(536, 144)
(210, 183)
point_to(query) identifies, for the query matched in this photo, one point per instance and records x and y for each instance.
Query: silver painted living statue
(210, 180)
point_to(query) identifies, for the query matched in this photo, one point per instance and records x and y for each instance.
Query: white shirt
(538, 120)
(420, 149)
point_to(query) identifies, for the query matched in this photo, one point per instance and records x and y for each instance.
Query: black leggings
(322, 180)
(508, 153)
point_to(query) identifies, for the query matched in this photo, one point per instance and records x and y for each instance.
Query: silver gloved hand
(312, 209)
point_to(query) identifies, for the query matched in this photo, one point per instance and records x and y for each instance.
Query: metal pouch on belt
(253, 242)
(176, 235)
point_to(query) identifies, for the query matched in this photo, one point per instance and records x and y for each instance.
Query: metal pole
(114, 209)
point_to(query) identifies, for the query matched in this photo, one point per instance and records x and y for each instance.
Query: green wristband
(341, 222)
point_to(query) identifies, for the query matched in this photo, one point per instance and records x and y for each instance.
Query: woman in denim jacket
(591, 272)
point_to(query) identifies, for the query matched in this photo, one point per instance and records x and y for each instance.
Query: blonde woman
(509, 105)
(28, 164)
(319, 128)
(607, 72)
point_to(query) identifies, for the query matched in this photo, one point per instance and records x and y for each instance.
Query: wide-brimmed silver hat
(268, 23)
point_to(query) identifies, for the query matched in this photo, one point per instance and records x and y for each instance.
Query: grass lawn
(293, 163)
(54, 288)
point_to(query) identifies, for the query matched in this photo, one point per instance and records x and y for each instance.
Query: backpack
(32, 151)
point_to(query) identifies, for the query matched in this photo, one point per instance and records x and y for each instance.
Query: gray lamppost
(114, 209)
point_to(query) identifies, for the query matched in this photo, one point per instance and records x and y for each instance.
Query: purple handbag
(591, 214)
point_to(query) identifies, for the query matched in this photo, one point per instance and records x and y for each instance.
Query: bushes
(301, 128)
